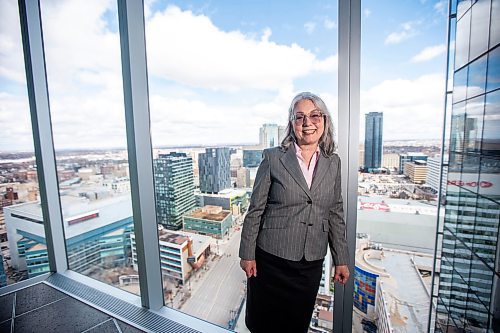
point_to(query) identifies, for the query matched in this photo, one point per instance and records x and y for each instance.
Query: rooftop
(408, 307)
(200, 214)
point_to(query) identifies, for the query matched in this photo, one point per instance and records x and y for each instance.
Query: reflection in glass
(457, 130)
(495, 28)
(85, 86)
(460, 85)
(23, 252)
(480, 24)
(491, 132)
(462, 40)
(476, 82)
(474, 124)
(462, 7)
(493, 78)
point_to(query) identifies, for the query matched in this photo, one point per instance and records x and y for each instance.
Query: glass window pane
(221, 79)
(462, 40)
(491, 132)
(462, 7)
(474, 124)
(495, 28)
(480, 24)
(460, 85)
(476, 82)
(457, 130)
(397, 198)
(23, 251)
(493, 79)
(82, 53)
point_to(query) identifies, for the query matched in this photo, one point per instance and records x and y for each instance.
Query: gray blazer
(289, 220)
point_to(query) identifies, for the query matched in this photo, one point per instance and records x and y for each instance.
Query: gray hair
(326, 142)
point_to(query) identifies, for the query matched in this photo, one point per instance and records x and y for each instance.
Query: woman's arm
(336, 232)
(257, 206)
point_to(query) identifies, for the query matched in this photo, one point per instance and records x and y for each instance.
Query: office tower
(433, 170)
(410, 157)
(174, 188)
(467, 290)
(373, 140)
(269, 136)
(252, 157)
(214, 168)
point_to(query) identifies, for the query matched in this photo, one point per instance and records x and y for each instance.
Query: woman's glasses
(315, 117)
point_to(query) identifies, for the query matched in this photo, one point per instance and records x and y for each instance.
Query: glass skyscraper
(373, 140)
(215, 172)
(468, 288)
(174, 188)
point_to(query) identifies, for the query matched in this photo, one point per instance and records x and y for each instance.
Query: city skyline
(227, 95)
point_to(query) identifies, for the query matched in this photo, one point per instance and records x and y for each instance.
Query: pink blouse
(307, 171)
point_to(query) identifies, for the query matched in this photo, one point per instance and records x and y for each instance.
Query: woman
(295, 213)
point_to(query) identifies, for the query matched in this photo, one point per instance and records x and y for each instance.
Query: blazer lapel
(322, 166)
(290, 163)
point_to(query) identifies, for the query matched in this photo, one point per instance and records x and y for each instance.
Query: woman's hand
(341, 274)
(249, 266)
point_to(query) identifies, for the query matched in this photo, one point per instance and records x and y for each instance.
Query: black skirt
(281, 298)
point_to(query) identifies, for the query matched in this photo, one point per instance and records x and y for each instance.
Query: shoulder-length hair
(326, 143)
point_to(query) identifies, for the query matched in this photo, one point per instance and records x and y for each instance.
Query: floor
(41, 308)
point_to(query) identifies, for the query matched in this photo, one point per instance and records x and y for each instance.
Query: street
(218, 294)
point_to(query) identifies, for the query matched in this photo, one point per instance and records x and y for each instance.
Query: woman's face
(308, 127)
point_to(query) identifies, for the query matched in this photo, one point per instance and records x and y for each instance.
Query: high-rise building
(410, 157)
(433, 169)
(416, 171)
(468, 287)
(174, 188)
(215, 170)
(252, 158)
(373, 140)
(269, 136)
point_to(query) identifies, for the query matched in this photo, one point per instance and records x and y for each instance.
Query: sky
(218, 70)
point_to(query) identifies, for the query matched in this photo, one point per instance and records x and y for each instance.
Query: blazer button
(309, 202)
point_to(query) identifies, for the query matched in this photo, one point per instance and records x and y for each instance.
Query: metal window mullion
(135, 90)
(38, 95)
(349, 53)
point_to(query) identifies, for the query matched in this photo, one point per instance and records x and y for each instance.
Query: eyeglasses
(315, 117)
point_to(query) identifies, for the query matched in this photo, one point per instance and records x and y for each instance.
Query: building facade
(373, 140)
(215, 170)
(269, 136)
(234, 200)
(252, 157)
(468, 288)
(209, 220)
(410, 157)
(96, 238)
(433, 170)
(174, 188)
(416, 171)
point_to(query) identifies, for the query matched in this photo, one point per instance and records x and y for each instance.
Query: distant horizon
(100, 149)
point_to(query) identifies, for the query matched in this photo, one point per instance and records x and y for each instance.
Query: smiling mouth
(311, 131)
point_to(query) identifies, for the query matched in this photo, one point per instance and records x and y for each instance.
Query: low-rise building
(416, 171)
(208, 220)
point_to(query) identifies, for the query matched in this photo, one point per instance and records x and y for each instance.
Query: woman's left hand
(341, 274)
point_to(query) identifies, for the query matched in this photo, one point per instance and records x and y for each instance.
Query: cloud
(11, 50)
(413, 109)
(367, 12)
(429, 53)
(231, 83)
(189, 49)
(407, 31)
(310, 27)
(441, 6)
(329, 24)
